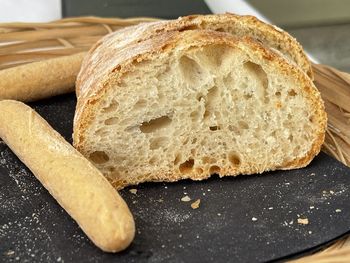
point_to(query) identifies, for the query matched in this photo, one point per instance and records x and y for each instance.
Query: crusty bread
(70, 178)
(192, 103)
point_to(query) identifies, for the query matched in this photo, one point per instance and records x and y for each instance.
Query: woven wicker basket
(23, 43)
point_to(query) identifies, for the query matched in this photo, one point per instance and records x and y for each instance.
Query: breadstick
(71, 179)
(40, 79)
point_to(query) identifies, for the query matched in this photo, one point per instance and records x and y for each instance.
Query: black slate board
(33, 227)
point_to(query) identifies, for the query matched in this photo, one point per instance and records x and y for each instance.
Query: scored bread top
(240, 26)
(246, 25)
(111, 61)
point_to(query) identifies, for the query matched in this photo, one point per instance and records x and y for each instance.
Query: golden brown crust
(117, 59)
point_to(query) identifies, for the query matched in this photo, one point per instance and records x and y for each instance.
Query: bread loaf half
(188, 104)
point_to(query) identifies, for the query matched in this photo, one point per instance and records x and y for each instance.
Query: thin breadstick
(40, 79)
(71, 179)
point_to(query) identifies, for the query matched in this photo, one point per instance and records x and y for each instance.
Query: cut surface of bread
(193, 103)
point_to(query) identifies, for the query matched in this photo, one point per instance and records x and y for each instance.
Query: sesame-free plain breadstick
(72, 180)
(42, 79)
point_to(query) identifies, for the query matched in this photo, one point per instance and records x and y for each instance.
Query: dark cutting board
(33, 227)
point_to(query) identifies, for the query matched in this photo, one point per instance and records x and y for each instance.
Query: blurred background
(321, 26)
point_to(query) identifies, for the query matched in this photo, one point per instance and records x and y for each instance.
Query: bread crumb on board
(195, 204)
(254, 219)
(9, 253)
(186, 198)
(303, 221)
(133, 191)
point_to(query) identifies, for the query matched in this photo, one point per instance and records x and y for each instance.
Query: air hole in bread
(290, 138)
(191, 27)
(191, 71)
(99, 157)
(110, 169)
(214, 169)
(234, 129)
(140, 104)
(278, 94)
(153, 160)
(256, 70)
(101, 132)
(212, 95)
(195, 116)
(208, 160)
(210, 101)
(178, 158)
(131, 128)
(243, 125)
(247, 96)
(292, 93)
(220, 29)
(200, 97)
(187, 166)
(234, 159)
(155, 124)
(214, 128)
(111, 108)
(206, 114)
(278, 105)
(214, 56)
(158, 142)
(199, 170)
(111, 121)
(258, 77)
